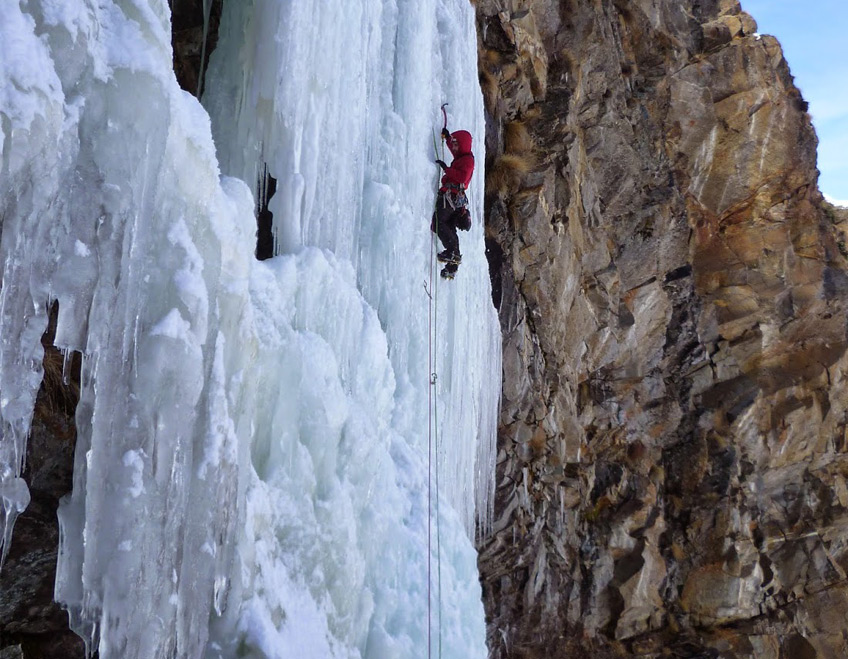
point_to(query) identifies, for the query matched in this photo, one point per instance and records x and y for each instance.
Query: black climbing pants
(443, 226)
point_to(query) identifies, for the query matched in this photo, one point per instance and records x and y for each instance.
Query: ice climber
(451, 204)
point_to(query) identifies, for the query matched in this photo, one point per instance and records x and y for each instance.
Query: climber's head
(461, 142)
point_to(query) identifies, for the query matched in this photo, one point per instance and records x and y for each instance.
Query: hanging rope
(431, 383)
(433, 444)
(436, 423)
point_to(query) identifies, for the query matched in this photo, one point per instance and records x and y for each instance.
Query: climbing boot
(449, 271)
(449, 257)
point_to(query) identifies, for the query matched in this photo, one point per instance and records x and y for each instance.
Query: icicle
(67, 362)
(83, 370)
(220, 594)
(15, 497)
(207, 8)
(525, 472)
(561, 492)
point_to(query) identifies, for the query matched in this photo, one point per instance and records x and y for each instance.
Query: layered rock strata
(672, 291)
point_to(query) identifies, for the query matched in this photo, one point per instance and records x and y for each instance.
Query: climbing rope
(431, 384)
(436, 423)
(433, 443)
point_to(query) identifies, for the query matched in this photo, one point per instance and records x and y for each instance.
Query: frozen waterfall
(259, 442)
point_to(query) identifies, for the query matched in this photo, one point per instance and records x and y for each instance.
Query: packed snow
(280, 458)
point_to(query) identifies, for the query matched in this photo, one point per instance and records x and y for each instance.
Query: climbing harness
(455, 196)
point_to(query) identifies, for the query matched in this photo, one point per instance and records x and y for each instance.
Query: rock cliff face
(672, 291)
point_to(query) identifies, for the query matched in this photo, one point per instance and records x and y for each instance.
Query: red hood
(463, 140)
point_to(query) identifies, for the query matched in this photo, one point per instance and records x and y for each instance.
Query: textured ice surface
(251, 476)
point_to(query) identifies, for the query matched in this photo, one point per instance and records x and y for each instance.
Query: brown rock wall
(672, 297)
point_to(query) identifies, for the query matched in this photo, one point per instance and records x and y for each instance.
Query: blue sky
(814, 36)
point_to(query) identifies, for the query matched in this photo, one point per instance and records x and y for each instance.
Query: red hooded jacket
(458, 174)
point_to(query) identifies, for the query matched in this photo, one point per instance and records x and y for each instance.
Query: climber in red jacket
(452, 205)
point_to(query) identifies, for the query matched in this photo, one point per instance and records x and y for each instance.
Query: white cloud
(836, 202)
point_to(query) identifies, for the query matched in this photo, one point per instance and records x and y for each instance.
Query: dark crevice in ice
(194, 35)
(266, 186)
